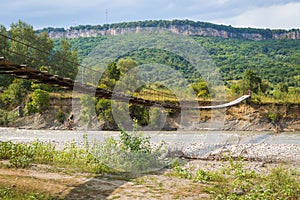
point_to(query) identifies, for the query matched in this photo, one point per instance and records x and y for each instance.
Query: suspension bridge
(59, 78)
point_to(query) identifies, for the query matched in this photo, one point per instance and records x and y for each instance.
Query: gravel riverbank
(251, 152)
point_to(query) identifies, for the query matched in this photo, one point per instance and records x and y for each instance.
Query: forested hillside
(276, 61)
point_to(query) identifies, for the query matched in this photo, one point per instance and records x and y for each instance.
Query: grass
(72, 157)
(132, 153)
(9, 193)
(237, 183)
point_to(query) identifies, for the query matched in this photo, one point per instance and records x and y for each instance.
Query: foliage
(8, 117)
(15, 93)
(3, 41)
(24, 155)
(104, 112)
(66, 61)
(62, 62)
(60, 116)
(9, 193)
(140, 113)
(208, 176)
(135, 142)
(236, 182)
(269, 58)
(40, 102)
(201, 89)
(41, 86)
(251, 81)
(19, 155)
(273, 116)
(178, 171)
(256, 65)
(132, 153)
(87, 108)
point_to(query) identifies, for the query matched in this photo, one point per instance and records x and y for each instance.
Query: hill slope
(273, 54)
(277, 61)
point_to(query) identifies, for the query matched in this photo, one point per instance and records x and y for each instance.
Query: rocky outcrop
(214, 31)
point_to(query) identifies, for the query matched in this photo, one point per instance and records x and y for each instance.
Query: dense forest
(276, 61)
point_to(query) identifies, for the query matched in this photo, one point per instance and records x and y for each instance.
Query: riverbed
(283, 146)
(208, 137)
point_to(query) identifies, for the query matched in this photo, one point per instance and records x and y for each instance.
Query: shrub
(15, 93)
(273, 116)
(60, 116)
(87, 108)
(40, 102)
(7, 117)
(132, 153)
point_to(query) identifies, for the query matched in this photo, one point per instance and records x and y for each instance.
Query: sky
(274, 14)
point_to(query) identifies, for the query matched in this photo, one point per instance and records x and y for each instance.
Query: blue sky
(65, 13)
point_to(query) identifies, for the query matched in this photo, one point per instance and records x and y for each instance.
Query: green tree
(125, 65)
(21, 32)
(113, 71)
(251, 81)
(3, 40)
(104, 112)
(110, 76)
(15, 92)
(87, 110)
(44, 43)
(281, 90)
(201, 88)
(297, 78)
(65, 61)
(40, 102)
(140, 114)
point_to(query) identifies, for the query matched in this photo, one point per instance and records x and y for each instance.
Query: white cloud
(58, 13)
(285, 16)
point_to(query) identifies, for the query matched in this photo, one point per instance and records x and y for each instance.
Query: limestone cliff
(184, 27)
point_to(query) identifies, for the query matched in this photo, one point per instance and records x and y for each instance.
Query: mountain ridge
(186, 27)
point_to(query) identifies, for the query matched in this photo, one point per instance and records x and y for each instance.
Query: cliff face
(182, 29)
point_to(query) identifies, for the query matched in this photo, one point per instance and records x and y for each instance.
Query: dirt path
(63, 184)
(81, 186)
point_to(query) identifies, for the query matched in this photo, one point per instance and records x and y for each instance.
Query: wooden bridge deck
(37, 76)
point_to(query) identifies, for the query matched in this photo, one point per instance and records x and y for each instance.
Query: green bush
(60, 116)
(19, 155)
(15, 93)
(7, 117)
(87, 108)
(132, 153)
(40, 102)
(273, 116)
(30, 108)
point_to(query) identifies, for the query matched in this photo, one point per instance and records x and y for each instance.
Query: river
(206, 137)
